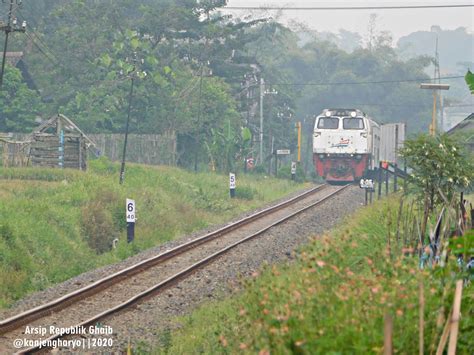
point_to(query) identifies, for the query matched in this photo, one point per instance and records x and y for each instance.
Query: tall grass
(55, 224)
(332, 300)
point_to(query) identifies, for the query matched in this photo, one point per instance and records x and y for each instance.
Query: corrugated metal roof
(468, 123)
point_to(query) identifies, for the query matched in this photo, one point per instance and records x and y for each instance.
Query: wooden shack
(59, 143)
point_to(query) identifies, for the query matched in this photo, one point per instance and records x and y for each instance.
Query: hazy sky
(399, 22)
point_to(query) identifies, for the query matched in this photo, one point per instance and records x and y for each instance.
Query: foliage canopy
(439, 167)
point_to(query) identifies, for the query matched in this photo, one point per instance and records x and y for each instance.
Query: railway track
(119, 291)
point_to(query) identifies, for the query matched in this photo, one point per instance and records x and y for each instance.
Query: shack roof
(66, 124)
(467, 123)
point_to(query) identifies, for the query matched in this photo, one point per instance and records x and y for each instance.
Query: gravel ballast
(147, 322)
(149, 319)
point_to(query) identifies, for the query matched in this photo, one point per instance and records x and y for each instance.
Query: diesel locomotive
(346, 144)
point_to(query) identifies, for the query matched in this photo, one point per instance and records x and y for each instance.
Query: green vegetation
(333, 299)
(443, 155)
(19, 105)
(203, 72)
(55, 224)
(470, 81)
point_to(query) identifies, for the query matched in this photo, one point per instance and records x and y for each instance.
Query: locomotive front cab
(341, 145)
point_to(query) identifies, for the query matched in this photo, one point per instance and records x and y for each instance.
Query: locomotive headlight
(353, 114)
(328, 113)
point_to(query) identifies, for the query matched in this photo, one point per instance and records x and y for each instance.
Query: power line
(347, 8)
(48, 55)
(10, 27)
(366, 82)
(34, 37)
(399, 105)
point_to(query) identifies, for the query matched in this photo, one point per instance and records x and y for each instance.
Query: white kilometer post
(232, 184)
(368, 186)
(130, 211)
(131, 218)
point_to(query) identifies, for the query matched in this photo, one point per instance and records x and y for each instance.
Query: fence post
(405, 179)
(453, 337)
(395, 178)
(379, 180)
(472, 217)
(421, 326)
(388, 332)
(387, 179)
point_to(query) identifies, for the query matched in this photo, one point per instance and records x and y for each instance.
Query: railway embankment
(337, 295)
(55, 224)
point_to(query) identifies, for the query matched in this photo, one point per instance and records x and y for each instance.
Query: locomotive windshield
(353, 123)
(328, 123)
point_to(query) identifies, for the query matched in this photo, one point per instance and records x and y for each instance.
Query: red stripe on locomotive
(341, 168)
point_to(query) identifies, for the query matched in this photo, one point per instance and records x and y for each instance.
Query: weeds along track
(107, 296)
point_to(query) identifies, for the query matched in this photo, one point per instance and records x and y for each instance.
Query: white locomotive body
(346, 143)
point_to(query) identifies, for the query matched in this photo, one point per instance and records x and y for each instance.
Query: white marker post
(368, 186)
(131, 218)
(232, 185)
(293, 170)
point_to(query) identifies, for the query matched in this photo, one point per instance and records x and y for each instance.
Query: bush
(285, 173)
(332, 299)
(245, 193)
(98, 223)
(6, 233)
(56, 224)
(104, 166)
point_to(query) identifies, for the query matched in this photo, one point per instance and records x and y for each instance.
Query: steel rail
(41, 311)
(178, 276)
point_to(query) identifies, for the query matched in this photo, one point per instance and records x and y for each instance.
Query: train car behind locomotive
(346, 143)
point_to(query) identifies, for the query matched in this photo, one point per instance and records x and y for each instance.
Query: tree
(19, 106)
(194, 56)
(439, 168)
(470, 81)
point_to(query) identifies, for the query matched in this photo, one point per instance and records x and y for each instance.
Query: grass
(56, 224)
(332, 300)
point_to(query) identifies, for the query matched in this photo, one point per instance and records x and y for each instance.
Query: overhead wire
(39, 43)
(346, 8)
(405, 105)
(363, 82)
(41, 50)
(49, 54)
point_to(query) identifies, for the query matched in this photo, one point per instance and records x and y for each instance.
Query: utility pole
(437, 76)
(11, 26)
(262, 93)
(198, 119)
(435, 88)
(298, 127)
(134, 74)
(130, 97)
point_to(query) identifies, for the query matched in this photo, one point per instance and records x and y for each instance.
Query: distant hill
(345, 40)
(455, 47)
